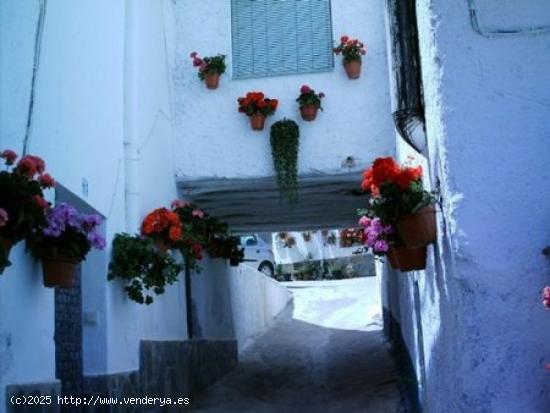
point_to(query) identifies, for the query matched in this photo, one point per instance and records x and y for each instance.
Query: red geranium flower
(46, 181)
(41, 202)
(384, 170)
(27, 167)
(407, 176)
(9, 155)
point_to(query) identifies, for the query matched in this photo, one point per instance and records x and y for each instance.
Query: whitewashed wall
(215, 140)
(78, 127)
(483, 330)
(237, 302)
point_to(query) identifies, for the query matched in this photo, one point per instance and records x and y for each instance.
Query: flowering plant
(546, 297)
(395, 190)
(351, 49)
(206, 65)
(163, 226)
(255, 103)
(145, 270)
(22, 203)
(377, 236)
(350, 237)
(203, 232)
(68, 234)
(308, 97)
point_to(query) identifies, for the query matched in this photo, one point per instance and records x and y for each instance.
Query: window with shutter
(281, 37)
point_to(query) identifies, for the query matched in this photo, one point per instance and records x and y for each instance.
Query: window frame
(328, 69)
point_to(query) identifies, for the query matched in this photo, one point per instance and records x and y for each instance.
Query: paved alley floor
(331, 357)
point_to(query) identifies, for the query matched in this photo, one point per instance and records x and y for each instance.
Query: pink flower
(4, 218)
(9, 155)
(199, 213)
(305, 89)
(197, 61)
(381, 246)
(203, 67)
(180, 203)
(546, 297)
(344, 39)
(364, 221)
(193, 55)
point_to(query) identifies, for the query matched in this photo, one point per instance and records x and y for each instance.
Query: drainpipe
(189, 300)
(131, 149)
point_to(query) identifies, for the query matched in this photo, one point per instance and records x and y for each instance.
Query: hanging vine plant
(285, 136)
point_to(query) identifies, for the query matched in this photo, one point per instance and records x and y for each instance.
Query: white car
(258, 253)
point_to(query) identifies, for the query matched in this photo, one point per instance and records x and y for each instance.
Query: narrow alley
(330, 357)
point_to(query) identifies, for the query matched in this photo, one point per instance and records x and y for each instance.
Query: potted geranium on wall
(310, 103)
(204, 232)
(210, 69)
(22, 203)
(257, 107)
(64, 243)
(352, 51)
(164, 227)
(399, 199)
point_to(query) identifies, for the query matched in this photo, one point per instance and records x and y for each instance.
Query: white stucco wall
(215, 140)
(483, 328)
(78, 127)
(236, 302)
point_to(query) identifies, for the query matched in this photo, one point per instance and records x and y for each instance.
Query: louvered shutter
(279, 37)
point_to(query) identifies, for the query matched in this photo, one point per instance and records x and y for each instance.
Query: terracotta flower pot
(353, 69)
(59, 271)
(409, 259)
(418, 229)
(257, 122)
(309, 112)
(392, 259)
(212, 80)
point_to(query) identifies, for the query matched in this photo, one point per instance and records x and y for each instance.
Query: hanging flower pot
(257, 107)
(257, 122)
(418, 229)
(59, 271)
(409, 259)
(309, 113)
(352, 51)
(209, 69)
(393, 259)
(353, 69)
(310, 103)
(22, 203)
(212, 80)
(64, 243)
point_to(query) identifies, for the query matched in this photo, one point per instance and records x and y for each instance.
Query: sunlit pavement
(331, 357)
